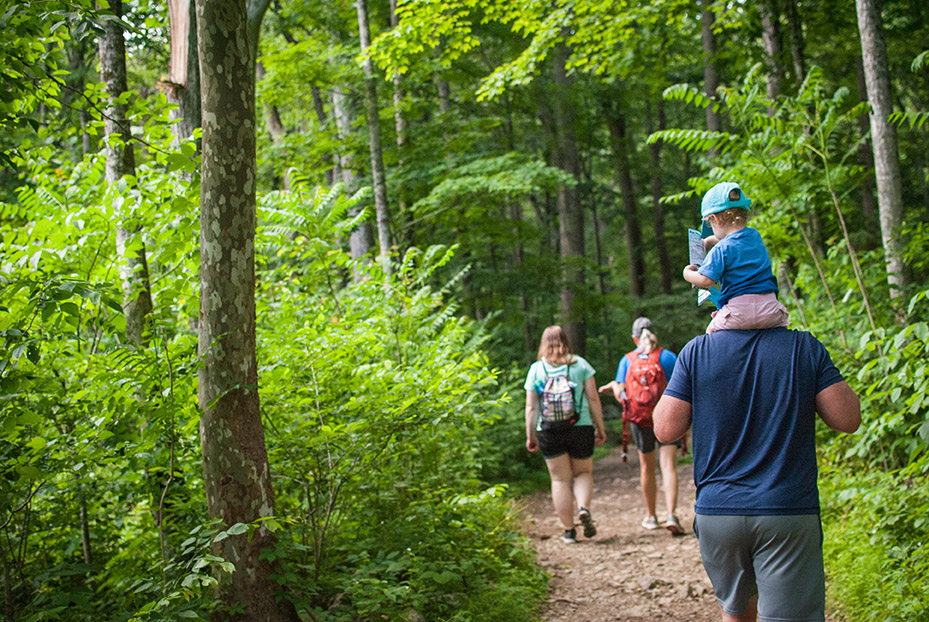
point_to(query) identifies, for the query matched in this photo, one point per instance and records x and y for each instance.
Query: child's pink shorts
(749, 311)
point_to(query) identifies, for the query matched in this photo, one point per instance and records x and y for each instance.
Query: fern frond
(671, 199)
(694, 140)
(921, 60)
(690, 95)
(811, 84)
(913, 119)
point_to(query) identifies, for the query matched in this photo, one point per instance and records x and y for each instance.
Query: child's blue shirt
(740, 264)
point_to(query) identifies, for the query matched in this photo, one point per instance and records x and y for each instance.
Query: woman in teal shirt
(568, 453)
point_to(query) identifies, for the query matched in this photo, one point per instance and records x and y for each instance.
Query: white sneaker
(650, 522)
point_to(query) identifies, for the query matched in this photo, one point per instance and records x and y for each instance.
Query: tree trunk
(374, 135)
(710, 75)
(275, 126)
(866, 158)
(321, 117)
(361, 239)
(795, 34)
(570, 214)
(183, 84)
(85, 526)
(661, 242)
(236, 473)
(120, 162)
(884, 142)
(771, 35)
(616, 122)
(400, 129)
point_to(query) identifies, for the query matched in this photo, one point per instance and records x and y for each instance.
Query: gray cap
(639, 324)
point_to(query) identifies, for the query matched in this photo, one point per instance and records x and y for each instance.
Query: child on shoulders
(738, 261)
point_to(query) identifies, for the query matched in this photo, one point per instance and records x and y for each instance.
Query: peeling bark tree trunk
(183, 84)
(884, 142)
(120, 162)
(374, 134)
(771, 35)
(236, 473)
(570, 215)
(710, 75)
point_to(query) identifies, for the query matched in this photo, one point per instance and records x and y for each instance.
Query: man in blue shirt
(752, 397)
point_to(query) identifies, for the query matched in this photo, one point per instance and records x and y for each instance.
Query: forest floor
(625, 572)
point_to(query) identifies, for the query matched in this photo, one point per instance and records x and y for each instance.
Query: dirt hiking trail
(625, 572)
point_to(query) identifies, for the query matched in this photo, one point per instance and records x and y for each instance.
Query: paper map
(697, 255)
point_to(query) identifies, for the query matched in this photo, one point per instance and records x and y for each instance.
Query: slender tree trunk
(866, 158)
(771, 35)
(361, 239)
(570, 214)
(120, 162)
(274, 124)
(884, 141)
(236, 472)
(661, 242)
(374, 134)
(321, 117)
(400, 129)
(616, 123)
(445, 95)
(78, 67)
(795, 34)
(85, 526)
(710, 75)
(8, 605)
(183, 84)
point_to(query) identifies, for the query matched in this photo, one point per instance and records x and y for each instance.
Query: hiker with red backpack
(564, 420)
(641, 378)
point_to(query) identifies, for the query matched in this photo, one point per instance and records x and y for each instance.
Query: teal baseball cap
(717, 199)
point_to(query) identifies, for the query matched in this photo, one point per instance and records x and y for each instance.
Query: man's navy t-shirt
(753, 398)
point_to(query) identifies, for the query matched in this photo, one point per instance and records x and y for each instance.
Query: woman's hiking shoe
(673, 525)
(590, 530)
(650, 522)
(569, 536)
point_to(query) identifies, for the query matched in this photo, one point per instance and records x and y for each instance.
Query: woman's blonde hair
(647, 341)
(555, 347)
(641, 330)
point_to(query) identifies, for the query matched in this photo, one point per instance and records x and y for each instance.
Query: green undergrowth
(876, 528)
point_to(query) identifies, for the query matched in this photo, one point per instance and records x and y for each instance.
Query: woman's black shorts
(577, 441)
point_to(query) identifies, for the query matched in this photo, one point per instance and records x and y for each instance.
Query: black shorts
(577, 441)
(645, 438)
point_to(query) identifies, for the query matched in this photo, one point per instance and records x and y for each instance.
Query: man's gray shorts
(780, 558)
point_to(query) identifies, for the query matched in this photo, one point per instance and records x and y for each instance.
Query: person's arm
(695, 278)
(532, 409)
(616, 387)
(839, 407)
(672, 418)
(596, 410)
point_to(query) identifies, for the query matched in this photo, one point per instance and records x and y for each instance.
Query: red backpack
(645, 382)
